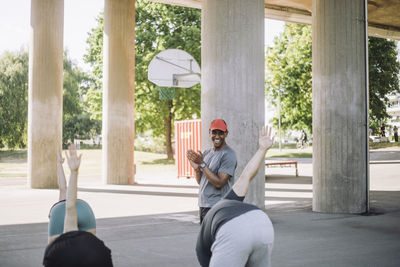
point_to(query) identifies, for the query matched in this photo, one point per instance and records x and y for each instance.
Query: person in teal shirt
(72, 226)
(85, 216)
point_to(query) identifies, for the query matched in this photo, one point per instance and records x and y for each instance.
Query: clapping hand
(195, 158)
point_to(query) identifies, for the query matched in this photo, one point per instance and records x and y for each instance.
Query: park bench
(283, 164)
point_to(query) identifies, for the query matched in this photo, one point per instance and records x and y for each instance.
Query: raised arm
(62, 184)
(71, 219)
(265, 141)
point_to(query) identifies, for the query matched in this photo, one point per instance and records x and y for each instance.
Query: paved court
(156, 224)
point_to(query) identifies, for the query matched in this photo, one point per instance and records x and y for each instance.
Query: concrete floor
(157, 224)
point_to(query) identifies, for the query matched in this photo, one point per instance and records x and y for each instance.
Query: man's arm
(265, 141)
(194, 165)
(217, 180)
(197, 171)
(62, 184)
(197, 175)
(71, 219)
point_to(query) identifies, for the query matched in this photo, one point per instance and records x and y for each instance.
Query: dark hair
(78, 249)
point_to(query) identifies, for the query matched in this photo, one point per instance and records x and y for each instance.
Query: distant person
(215, 168)
(74, 245)
(396, 135)
(383, 134)
(303, 138)
(234, 233)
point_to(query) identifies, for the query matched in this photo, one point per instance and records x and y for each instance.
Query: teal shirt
(86, 219)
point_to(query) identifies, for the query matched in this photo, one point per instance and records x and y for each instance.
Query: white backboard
(174, 68)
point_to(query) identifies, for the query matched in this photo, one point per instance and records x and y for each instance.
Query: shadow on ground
(302, 238)
(137, 192)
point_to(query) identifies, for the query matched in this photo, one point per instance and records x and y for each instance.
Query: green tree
(288, 73)
(94, 56)
(158, 27)
(383, 78)
(289, 70)
(13, 99)
(77, 119)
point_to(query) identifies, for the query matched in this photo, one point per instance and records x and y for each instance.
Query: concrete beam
(384, 21)
(118, 91)
(382, 31)
(45, 92)
(287, 14)
(340, 105)
(233, 78)
(305, 17)
(185, 3)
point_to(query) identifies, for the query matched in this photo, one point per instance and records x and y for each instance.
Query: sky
(79, 19)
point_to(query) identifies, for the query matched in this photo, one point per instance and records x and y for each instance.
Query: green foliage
(289, 71)
(77, 119)
(13, 99)
(383, 78)
(158, 27)
(73, 78)
(148, 143)
(94, 57)
(79, 126)
(289, 68)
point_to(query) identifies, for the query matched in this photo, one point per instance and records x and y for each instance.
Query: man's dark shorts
(203, 213)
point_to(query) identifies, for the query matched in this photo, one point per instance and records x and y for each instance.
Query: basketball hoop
(174, 68)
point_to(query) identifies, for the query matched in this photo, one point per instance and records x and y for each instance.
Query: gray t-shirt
(224, 161)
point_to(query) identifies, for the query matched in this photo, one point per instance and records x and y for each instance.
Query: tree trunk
(168, 131)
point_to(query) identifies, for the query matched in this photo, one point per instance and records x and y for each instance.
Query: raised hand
(60, 159)
(266, 138)
(73, 160)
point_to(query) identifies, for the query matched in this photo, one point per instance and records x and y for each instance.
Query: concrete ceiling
(383, 15)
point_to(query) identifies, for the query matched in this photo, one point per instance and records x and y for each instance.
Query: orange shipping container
(187, 136)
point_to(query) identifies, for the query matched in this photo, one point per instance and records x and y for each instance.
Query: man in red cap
(215, 168)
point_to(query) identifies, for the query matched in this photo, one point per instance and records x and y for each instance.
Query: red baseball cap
(218, 124)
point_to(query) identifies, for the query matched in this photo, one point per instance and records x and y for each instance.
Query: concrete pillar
(233, 78)
(118, 91)
(45, 92)
(340, 104)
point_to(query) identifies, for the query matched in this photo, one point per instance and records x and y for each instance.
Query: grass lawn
(307, 153)
(14, 163)
(289, 153)
(384, 145)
